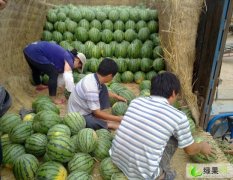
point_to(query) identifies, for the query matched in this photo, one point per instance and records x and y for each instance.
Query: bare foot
(59, 101)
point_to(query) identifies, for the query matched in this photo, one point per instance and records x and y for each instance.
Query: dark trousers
(39, 69)
(168, 153)
(91, 120)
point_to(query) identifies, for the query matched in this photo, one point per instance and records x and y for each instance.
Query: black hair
(164, 84)
(74, 52)
(107, 66)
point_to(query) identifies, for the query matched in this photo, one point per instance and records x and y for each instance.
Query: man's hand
(120, 98)
(206, 148)
(3, 4)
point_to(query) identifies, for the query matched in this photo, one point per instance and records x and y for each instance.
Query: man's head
(166, 85)
(107, 68)
(79, 60)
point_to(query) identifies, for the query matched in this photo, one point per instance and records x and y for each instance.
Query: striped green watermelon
(106, 36)
(124, 15)
(101, 16)
(158, 64)
(134, 15)
(119, 108)
(119, 25)
(116, 78)
(130, 25)
(47, 36)
(5, 140)
(128, 95)
(139, 77)
(94, 64)
(57, 36)
(47, 106)
(153, 14)
(96, 52)
(81, 34)
(38, 99)
(81, 162)
(51, 171)
(127, 77)
(118, 35)
(146, 64)
(75, 15)
(9, 121)
(147, 51)
(89, 15)
(79, 175)
(146, 84)
(51, 16)
(104, 134)
(68, 36)
(107, 168)
(140, 24)
(134, 50)
(94, 35)
(46, 158)
(134, 65)
(158, 52)
(118, 176)
(87, 140)
(130, 35)
(75, 121)
(120, 50)
(61, 16)
(155, 38)
(144, 15)
(61, 27)
(71, 26)
(44, 120)
(117, 87)
(144, 34)
(113, 15)
(96, 24)
(20, 132)
(10, 153)
(107, 24)
(145, 92)
(84, 23)
(107, 51)
(113, 45)
(36, 144)
(122, 65)
(150, 75)
(153, 26)
(60, 149)
(58, 130)
(102, 149)
(25, 167)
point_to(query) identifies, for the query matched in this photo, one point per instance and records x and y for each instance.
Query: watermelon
(44, 106)
(113, 15)
(144, 15)
(101, 16)
(118, 176)
(57, 36)
(60, 149)
(94, 35)
(25, 167)
(96, 24)
(84, 23)
(107, 36)
(150, 75)
(104, 134)
(128, 95)
(107, 168)
(61, 27)
(139, 77)
(119, 25)
(89, 15)
(134, 15)
(153, 26)
(117, 87)
(81, 34)
(145, 92)
(130, 25)
(20, 132)
(47, 36)
(81, 162)
(107, 24)
(9, 121)
(134, 65)
(36, 144)
(120, 50)
(201, 158)
(79, 175)
(130, 35)
(146, 84)
(75, 15)
(87, 140)
(71, 26)
(140, 24)
(96, 52)
(58, 130)
(75, 121)
(122, 65)
(113, 45)
(116, 78)
(61, 16)
(119, 108)
(107, 51)
(153, 14)
(5, 140)
(44, 120)
(146, 64)
(144, 34)
(40, 98)
(147, 51)
(155, 38)
(10, 153)
(127, 77)
(51, 170)
(124, 15)
(134, 50)
(68, 36)
(158, 64)
(51, 16)
(157, 52)
(94, 64)
(118, 35)
(102, 149)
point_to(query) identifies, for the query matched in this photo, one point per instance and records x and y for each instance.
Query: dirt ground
(178, 163)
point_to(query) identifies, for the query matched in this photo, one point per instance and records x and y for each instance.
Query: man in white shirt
(150, 132)
(90, 97)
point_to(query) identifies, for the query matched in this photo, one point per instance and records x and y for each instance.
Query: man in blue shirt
(51, 59)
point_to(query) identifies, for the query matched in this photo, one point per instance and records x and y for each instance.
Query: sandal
(59, 101)
(41, 87)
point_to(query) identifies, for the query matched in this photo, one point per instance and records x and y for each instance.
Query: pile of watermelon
(127, 34)
(44, 145)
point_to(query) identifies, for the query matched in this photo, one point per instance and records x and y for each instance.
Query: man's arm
(68, 77)
(106, 116)
(194, 148)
